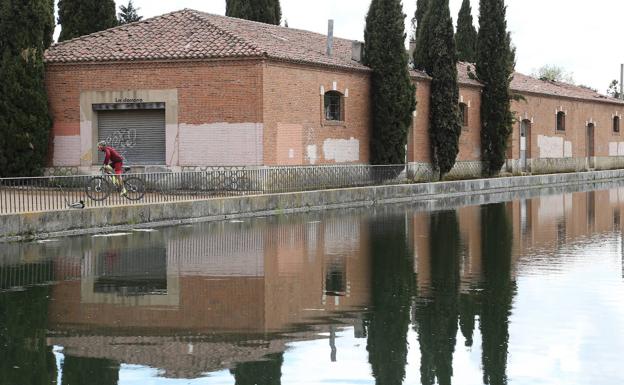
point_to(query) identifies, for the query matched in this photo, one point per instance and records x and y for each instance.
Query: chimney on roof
(357, 50)
(412, 48)
(621, 81)
(330, 37)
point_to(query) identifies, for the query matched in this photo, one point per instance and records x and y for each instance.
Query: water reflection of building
(196, 299)
(157, 298)
(485, 261)
(549, 222)
(464, 273)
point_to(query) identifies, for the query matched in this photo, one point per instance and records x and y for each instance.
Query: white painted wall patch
(567, 149)
(342, 150)
(311, 154)
(550, 146)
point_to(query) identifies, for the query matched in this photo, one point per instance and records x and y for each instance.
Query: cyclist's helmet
(101, 143)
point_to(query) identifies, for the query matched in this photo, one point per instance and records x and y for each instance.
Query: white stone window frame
(558, 111)
(344, 94)
(617, 115)
(464, 119)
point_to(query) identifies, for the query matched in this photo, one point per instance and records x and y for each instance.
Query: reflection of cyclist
(113, 161)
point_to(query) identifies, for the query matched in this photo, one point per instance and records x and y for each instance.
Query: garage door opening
(138, 135)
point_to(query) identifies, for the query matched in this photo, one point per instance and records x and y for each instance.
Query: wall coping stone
(41, 225)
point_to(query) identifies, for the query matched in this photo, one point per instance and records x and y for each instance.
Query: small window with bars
(616, 124)
(334, 106)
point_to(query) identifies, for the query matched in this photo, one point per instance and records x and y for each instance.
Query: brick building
(559, 127)
(188, 90)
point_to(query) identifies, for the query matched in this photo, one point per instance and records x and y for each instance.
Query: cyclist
(113, 161)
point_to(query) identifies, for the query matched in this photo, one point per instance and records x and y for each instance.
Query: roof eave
(574, 98)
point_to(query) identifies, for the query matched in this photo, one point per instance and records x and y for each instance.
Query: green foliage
(25, 31)
(267, 371)
(421, 10)
(614, 89)
(25, 357)
(393, 94)
(466, 37)
(553, 73)
(436, 56)
(87, 370)
(264, 11)
(82, 17)
(128, 14)
(436, 313)
(393, 287)
(494, 68)
(497, 292)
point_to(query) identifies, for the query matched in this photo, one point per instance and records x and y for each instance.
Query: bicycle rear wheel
(98, 188)
(135, 188)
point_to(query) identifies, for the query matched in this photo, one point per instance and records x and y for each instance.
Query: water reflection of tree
(392, 289)
(86, 370)
(436, 316)
(24, 356)
(498, 290)
(266, 372)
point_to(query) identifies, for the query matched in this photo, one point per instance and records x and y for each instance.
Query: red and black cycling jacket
(111, 156)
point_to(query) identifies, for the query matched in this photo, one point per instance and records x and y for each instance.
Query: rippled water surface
(522, 292)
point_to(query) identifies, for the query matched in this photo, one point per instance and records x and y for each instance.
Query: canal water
(523, 292)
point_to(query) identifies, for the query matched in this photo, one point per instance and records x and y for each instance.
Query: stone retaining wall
(94, 220)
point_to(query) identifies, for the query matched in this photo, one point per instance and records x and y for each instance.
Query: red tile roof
(190, 34)
(194, 35)
(526, 84)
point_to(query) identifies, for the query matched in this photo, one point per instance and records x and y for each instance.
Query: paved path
(15, 200)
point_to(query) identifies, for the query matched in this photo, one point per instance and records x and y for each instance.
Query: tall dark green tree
(128, 14)
(466, 36)
(88, 370)
(264, 11)
(437, 312)
(497, 292)
(436, 55)
(82, 17)
(25, 357)
(494, 69)
(26, 28)
(393, 94)
(421, 9)
(266, 372)
(393, 286)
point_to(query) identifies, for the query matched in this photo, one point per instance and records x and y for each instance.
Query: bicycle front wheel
(135, 188)
(98, 188)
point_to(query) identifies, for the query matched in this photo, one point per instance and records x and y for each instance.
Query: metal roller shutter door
(138, 135)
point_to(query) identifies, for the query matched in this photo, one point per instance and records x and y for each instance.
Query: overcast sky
(582, 38)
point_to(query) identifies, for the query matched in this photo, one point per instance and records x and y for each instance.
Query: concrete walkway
(14, 227)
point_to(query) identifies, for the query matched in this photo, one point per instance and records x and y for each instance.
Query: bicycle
(98, 188)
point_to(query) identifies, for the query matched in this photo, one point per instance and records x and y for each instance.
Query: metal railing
(20, 195)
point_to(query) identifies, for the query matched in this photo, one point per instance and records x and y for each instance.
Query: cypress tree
(437, 58)
(25, 31)
(421, 10)
(466, 37)
(266, 372)
(494, 68)
(436, 313)
(392, 290)
(128, 14)
(497, 291)
(82, 17)
(393, 96)
(264, 11)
